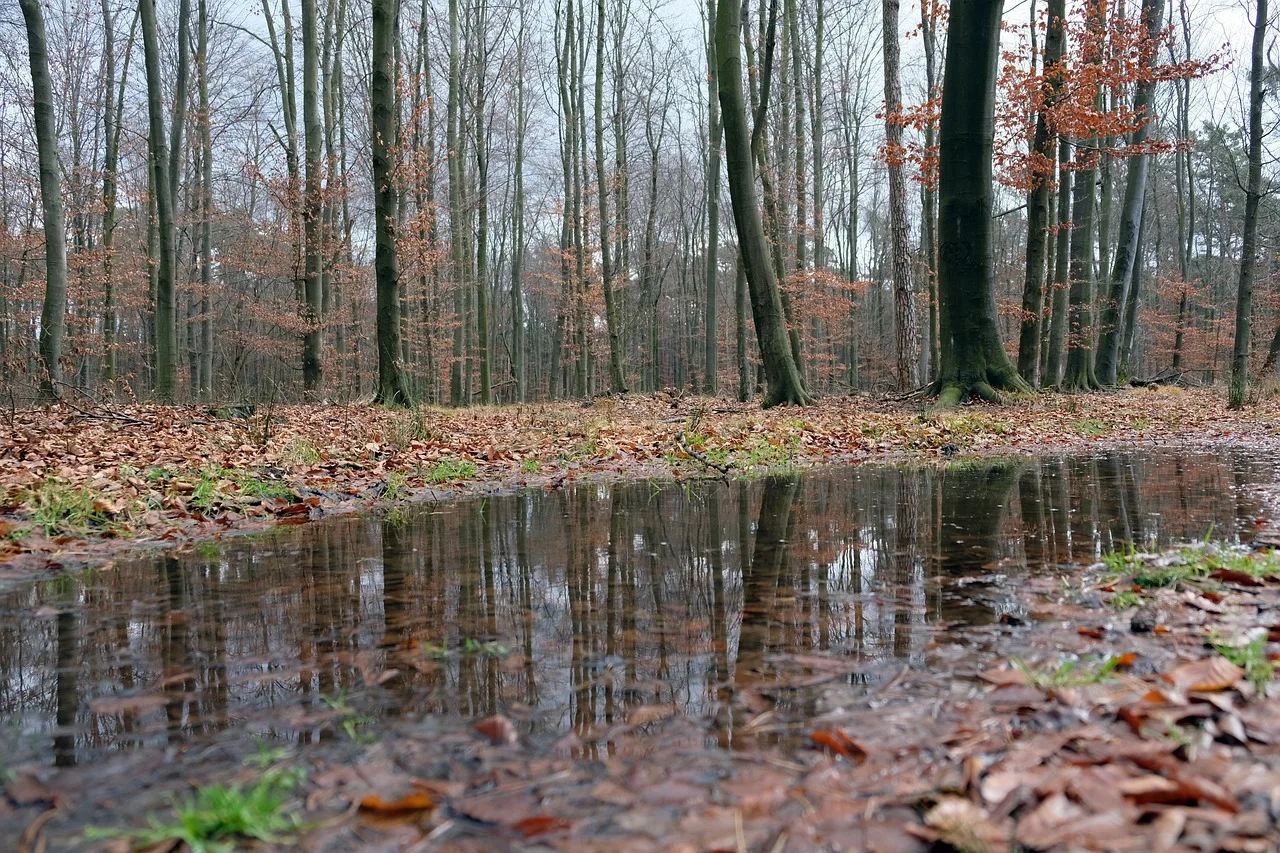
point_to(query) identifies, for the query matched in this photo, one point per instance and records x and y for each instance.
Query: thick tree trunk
(52, 326)
(1111, 321)
(1131, 303)
(905, 333)
(973, 360)
(782, 375)
(1253, 195)
(166, 334)
(392, 389)
(1044, 147)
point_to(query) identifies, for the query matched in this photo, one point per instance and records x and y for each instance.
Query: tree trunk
(392, 389)
(453, 154)
(517, 230)
(713, 203)
(1061, 270)
(905, 334)
(113, 121)
(166, 335)
(617, 381)
(973, 360)
(52, 327)
(1249, 239)
(1044, 149)
(782, 375)
(312, 353)
(204, 371)
(1111, 321)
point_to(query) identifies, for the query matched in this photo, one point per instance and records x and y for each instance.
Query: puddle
(568, 610)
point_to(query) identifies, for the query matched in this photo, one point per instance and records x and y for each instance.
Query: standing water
(565, 610)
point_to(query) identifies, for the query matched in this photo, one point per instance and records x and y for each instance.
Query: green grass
(1124, 599)
(452, 470)
(1251, 657)
(215, 818)
(397, 488)
(217, 487)
(303, 451)
(529, 465)
(353, 723)
(62, 509)
(1090, 427)
(468, 648)
(1069, 673)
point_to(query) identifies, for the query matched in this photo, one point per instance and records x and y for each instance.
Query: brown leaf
(1236, 576)
(539, 825)
(498, 729)
(415, 801)
(838, 741)
(1004, 676)
(1215, 673)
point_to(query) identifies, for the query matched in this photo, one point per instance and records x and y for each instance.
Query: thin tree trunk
(1044, 147)
(617, 381)
(204, 367)
(782, 375)
(905, 332)
(312, 354)
(166, 340)
(713, 204)
(1111, 321)
(517, 230)
(1253, 195)
(52, 326)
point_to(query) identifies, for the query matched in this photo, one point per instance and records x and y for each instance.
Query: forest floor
(80, 483)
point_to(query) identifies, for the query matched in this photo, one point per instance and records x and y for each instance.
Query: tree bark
(905, 333)
(782, 375)
(392, 388)
(1253, 195)
(1111, 321)
(52, 315)
(973, 360)
(312, 353)
(1044, 147)
(713, 204)
(617, 380)
(166, 335)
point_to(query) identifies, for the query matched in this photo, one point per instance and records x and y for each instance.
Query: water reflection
(569, 609)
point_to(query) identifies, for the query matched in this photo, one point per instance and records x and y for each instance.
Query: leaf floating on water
(1005, 677)
(838, 741)
(1205, 676)
(498, 729)
(540, 825)
(413, 802)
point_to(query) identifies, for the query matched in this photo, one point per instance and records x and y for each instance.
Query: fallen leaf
(498, 729)
(838, 741)
(539, 825)
(412, 802)
(1216, 673)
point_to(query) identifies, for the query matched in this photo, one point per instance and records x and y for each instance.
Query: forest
(492, 204)
(776, 426)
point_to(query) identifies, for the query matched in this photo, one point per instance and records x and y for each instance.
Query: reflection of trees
(611, 597)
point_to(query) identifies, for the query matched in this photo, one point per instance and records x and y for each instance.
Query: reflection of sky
(304, 615)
